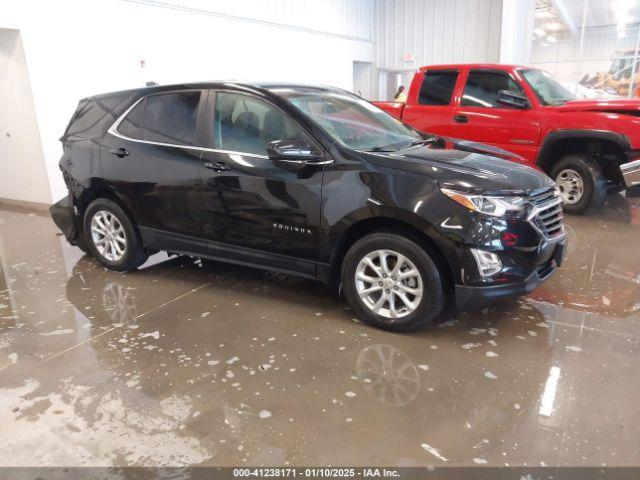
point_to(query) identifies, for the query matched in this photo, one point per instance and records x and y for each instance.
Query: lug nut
(395, 288)
(379, 284)
(387, 291)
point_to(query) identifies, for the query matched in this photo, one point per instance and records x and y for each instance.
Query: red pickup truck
(589, 147)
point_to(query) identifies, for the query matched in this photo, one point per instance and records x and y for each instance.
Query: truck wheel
(111, 237)
(392, 283)
(583, 187)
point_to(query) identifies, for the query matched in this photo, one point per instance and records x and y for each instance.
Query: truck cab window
(437, 87)
(482, 89)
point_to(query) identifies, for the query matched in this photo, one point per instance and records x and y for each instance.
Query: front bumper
(64, 216)
(631, 173)
(473, 297)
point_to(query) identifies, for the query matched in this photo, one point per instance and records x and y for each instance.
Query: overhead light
(552, 39)
(543, 14)
(539, 32)
(553, 26)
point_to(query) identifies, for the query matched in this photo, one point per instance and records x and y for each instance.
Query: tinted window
(352, 121)
(131, 125)
(171, 118)
(95, 115)
(482, 89)
(246, 124)
(437, 88)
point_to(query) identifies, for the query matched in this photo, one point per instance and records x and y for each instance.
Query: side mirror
(293, 150)
(513, 99)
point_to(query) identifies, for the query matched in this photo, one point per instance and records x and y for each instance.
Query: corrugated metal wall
(437, 31)
(352, 19)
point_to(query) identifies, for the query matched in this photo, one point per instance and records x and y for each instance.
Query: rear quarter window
(437, 87)
(94, 116)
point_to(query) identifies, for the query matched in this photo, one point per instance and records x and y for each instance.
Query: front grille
(548, 216)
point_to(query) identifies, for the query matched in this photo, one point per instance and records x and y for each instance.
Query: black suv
(309, 181)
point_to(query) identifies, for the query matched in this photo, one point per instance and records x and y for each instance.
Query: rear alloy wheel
(583, 187)
(392, 283)
(111, 237)
(107, 235)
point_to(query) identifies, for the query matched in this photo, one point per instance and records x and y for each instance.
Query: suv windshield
(352, 121)
(548, 90)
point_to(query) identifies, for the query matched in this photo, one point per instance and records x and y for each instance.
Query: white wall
(437, 31)
(22, 172)
(78, 48)
(565, 59)
(517, 31)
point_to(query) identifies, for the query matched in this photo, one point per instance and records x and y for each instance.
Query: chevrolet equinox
(310, 181)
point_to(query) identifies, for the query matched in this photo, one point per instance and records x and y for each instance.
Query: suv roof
(239, 85)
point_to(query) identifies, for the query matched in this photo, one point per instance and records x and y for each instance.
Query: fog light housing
(488, 262)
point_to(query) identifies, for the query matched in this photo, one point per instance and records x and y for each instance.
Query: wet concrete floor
(189, 362)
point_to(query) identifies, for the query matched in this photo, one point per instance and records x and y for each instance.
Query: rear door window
(171, 118)
(164, 118)
(437, 87)
(483, 86)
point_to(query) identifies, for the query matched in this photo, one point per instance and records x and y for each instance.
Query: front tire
(111, 236)
(583, 187)
(392, 283)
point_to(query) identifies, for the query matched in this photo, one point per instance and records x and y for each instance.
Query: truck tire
(392, 283)
(583, 187)
(111, 236)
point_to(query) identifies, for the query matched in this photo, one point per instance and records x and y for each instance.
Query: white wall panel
(76, 48)
(437, 31)
(347, 18)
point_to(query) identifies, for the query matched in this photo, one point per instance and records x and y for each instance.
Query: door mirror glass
(513, 99)
(296, 150)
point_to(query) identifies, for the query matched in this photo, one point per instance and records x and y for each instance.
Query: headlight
(489, 205)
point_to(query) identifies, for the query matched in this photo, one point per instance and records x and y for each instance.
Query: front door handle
(119, 152)
(217, 166)
(461, 119)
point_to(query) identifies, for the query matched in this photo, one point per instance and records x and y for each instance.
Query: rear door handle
(461, 119)
(216, 166)
(120, 152)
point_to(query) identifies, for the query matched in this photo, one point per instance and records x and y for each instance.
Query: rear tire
(392, 283)
(111, 236)
(582, 185)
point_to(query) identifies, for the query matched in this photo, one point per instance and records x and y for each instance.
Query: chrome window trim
(113, 130)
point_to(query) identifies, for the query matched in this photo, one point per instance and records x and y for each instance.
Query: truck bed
(394, 108)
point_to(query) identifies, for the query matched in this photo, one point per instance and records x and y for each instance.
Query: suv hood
(461, 167)
(629, 107)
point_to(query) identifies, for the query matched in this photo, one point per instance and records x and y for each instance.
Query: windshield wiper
(382, 148)
(424, 141)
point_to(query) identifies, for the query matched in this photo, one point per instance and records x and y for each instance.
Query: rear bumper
(474, 297)
(65, 218)
(631, 173)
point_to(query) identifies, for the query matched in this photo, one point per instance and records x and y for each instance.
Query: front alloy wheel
(388, 283)
(392, 282)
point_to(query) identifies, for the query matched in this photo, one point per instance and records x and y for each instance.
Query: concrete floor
(185, 363)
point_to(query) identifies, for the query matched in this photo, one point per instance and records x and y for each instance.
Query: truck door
(430, 101)
(481, 118)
